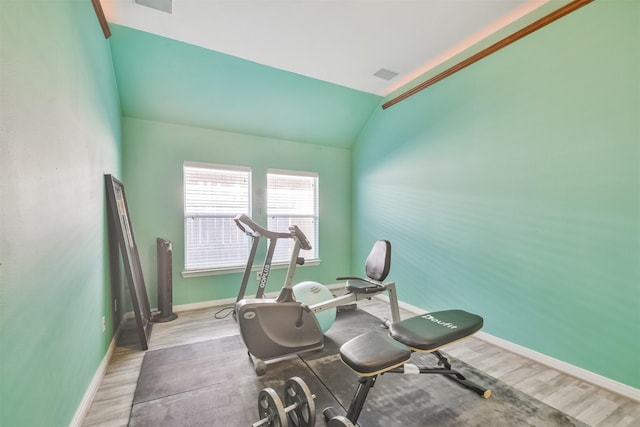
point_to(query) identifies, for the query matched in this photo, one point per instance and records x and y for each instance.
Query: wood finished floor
(592, 405)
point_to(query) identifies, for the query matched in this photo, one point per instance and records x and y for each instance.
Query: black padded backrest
(379, 261)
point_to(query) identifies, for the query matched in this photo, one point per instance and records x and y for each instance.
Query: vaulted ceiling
(303, 70)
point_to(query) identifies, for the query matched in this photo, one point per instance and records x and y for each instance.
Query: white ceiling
(340, 41)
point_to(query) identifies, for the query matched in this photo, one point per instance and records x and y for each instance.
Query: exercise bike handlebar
(297, 233)
(249, 227)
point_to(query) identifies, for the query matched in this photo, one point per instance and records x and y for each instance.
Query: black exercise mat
(213, 383)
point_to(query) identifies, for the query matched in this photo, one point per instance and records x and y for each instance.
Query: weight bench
(373, 353)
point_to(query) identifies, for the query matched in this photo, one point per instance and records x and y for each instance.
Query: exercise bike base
(273, 329)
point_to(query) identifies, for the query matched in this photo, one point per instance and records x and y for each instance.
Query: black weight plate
(271, 409)
(296, 392)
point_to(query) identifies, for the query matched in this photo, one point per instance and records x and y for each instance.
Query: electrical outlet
(104, 324)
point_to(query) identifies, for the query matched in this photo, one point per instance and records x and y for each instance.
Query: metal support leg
(446, 371)
(393, 302)
(443, 360)
(456, 376)
(365, 384)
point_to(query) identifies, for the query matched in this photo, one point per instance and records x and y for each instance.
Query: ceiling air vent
(385, 74)
(161, 5)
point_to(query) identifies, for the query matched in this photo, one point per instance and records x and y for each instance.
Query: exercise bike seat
(377, 268)
(358, 285)
(429, 332)
(373, 353)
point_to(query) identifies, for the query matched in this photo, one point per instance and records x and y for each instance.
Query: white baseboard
(567, 368)
(564, 367)
(94, 385)
(204, 304)
(232, 301)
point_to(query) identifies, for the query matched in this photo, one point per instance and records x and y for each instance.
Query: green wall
(168, 81)
(512, 189)
(60, 132)
(153, 156)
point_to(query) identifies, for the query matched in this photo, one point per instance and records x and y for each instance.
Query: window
(292, 199)
(213, 196)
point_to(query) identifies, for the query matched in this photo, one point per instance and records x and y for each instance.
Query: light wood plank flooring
(592, 405)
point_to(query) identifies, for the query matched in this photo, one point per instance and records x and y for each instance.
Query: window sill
(231, 270)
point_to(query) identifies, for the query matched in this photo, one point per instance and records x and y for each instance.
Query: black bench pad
(371, 353)
(431, 331)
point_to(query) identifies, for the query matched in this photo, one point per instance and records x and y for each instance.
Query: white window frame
(307, 221)
(234, 242)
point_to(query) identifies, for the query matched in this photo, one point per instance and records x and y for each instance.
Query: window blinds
(292, 199)
(213, 196)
